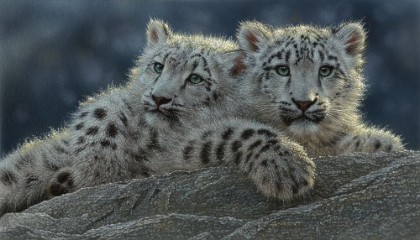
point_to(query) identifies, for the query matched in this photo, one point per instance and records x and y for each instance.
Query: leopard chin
(160, 120)
(303, 125)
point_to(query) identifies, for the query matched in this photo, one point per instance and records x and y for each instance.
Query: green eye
(283, 70)
(325, 71)
(194, 79)
(158, 67)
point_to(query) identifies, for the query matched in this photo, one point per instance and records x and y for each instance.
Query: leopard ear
(252, 35)
(157, 33)
(237, 65)
(235, 61)
(352, 36)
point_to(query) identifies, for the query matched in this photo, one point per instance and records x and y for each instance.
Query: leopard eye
(195, 79)
(158, 67)
(283, 70)
(325, 71)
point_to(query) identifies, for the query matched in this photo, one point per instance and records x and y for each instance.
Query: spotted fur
(279, 167)
(179, 111)
(308, 82)
(25, 175)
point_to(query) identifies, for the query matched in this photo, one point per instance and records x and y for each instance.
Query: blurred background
(55, 53)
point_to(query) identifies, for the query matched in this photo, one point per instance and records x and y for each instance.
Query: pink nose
(161, 100)
(303, 105)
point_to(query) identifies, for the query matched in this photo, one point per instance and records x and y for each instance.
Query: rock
(356, 196)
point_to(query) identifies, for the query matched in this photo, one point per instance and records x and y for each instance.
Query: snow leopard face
(185, 74)
(310, 76)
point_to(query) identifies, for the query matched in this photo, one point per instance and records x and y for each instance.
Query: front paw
(62, 183)
(282, 169)
(375, 141)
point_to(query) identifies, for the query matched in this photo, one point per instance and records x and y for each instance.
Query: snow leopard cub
(178, 112)
(311, 81)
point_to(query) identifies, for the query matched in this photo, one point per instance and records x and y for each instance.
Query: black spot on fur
(105, 143)
(62, 177)
(195, 64)
(123, 118)
(208, 71)
(377, 144)
(254, 145)
(295, 189)
(207, 101)
(92, 130)
(389, 148)
(8, 177)
(266, 133)
(238, 158)
(236, 145)
(227, 134)
(332, 58)
(188, 150)
(99, 113)
(79, 126)
(321, 55)
(357, 144)
(215, 96)
(273, 142)
(265, 148)
(246, 134)
(248, 157)
(64, 184)
(83, 114)
(81, 140)
(112, 130)
(251, 165)
(58, 189)
(279, 186)
(205, 153)
(220, 151)
(154, 142)
(288, 56)
(264, 163)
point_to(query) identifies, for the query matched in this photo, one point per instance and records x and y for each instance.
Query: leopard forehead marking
(297, 46)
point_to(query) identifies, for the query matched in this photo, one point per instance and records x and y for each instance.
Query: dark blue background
(54, 53)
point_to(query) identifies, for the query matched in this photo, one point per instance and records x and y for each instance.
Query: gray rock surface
(356, 196)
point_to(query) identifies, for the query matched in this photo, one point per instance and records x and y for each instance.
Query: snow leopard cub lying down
(310, 83)
(178, 112)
